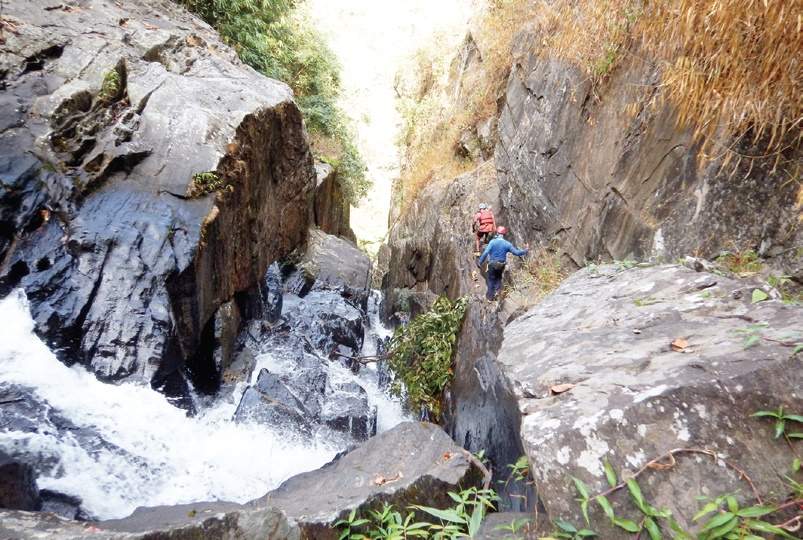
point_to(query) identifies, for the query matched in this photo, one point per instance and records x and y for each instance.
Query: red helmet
(501, 230)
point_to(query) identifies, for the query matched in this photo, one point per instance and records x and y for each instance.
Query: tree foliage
(421, 354)
(275, 38)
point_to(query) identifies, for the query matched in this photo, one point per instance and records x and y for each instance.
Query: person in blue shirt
(496, 253)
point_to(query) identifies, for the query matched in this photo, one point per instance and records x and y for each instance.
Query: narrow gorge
(197, 340)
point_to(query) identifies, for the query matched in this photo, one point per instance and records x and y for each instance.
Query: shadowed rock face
(609, 332)
(113, 109)
(413, 463)
(332, 211)
(580, 166)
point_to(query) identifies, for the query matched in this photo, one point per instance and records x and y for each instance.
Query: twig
(789, 504)
(363, 359)
(656, 464)
(784, 343)
(792, 525)
(486, 473)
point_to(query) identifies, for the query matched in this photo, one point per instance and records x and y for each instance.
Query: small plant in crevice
(420, 355)
(782, 421)
(111, 86)
(741, 263)
(540, 273)
(204, 183)
(462, 520)
(515, 528)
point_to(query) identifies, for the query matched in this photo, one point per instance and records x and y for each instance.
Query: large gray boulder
(413, 463)
(111, 112)
(609, 332)
(213, 520)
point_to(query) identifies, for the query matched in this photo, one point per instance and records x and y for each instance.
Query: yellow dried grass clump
(733, 64)
(729, 67)
(435, 118)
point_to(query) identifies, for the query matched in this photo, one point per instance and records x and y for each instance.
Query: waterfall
(126, 446)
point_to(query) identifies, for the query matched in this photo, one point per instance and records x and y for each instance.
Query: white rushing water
(171, 458)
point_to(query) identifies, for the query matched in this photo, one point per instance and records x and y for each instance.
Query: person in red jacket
(484, 226)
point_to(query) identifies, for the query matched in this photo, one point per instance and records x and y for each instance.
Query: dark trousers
(493, 279)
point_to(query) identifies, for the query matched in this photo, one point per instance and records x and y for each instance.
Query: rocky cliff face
(605, 172)
(597, 172)
(148, 177)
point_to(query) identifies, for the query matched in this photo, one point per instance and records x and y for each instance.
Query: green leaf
(610, 474)
(722, 530)
(606, 506)
(763, 526)
(586, 533)
(566, 526)
(733, 505)
(626, 524)
(707, 509)
(794, 417)
(635, 492)
(780, 426)
(475, 522)
(759, 296)
(445, 515)
(652, 529)
(798, 348)
(581, 487)
(717, 521)
(774, 414)
(796, 461)
(755, 511)
(584, 509)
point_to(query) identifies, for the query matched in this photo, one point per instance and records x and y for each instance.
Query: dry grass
(728, 66)
(540, 273)
(439, 107)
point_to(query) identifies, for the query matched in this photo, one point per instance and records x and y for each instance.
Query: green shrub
(421, 352)
(275, 38)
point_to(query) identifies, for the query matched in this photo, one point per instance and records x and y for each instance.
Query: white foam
(172, 458)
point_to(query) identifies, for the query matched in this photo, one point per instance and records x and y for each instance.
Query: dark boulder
(332, 210)
(63, 505)
(413, 463)
(337, 264)
(326, 320)
(347, 410)
(110, 138)
(18, 489)
(272, 403)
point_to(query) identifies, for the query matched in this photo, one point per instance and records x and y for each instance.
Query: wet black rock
(347, 410)
(64, 505)
(18, 489)
(326, 320)
(272, 403)
(125, 266)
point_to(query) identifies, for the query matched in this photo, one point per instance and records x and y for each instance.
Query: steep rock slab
(212, 520)
(332, 210)
(604, 171)
(609, 332)
(114, 109)
(432, 245)
(413, 463)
